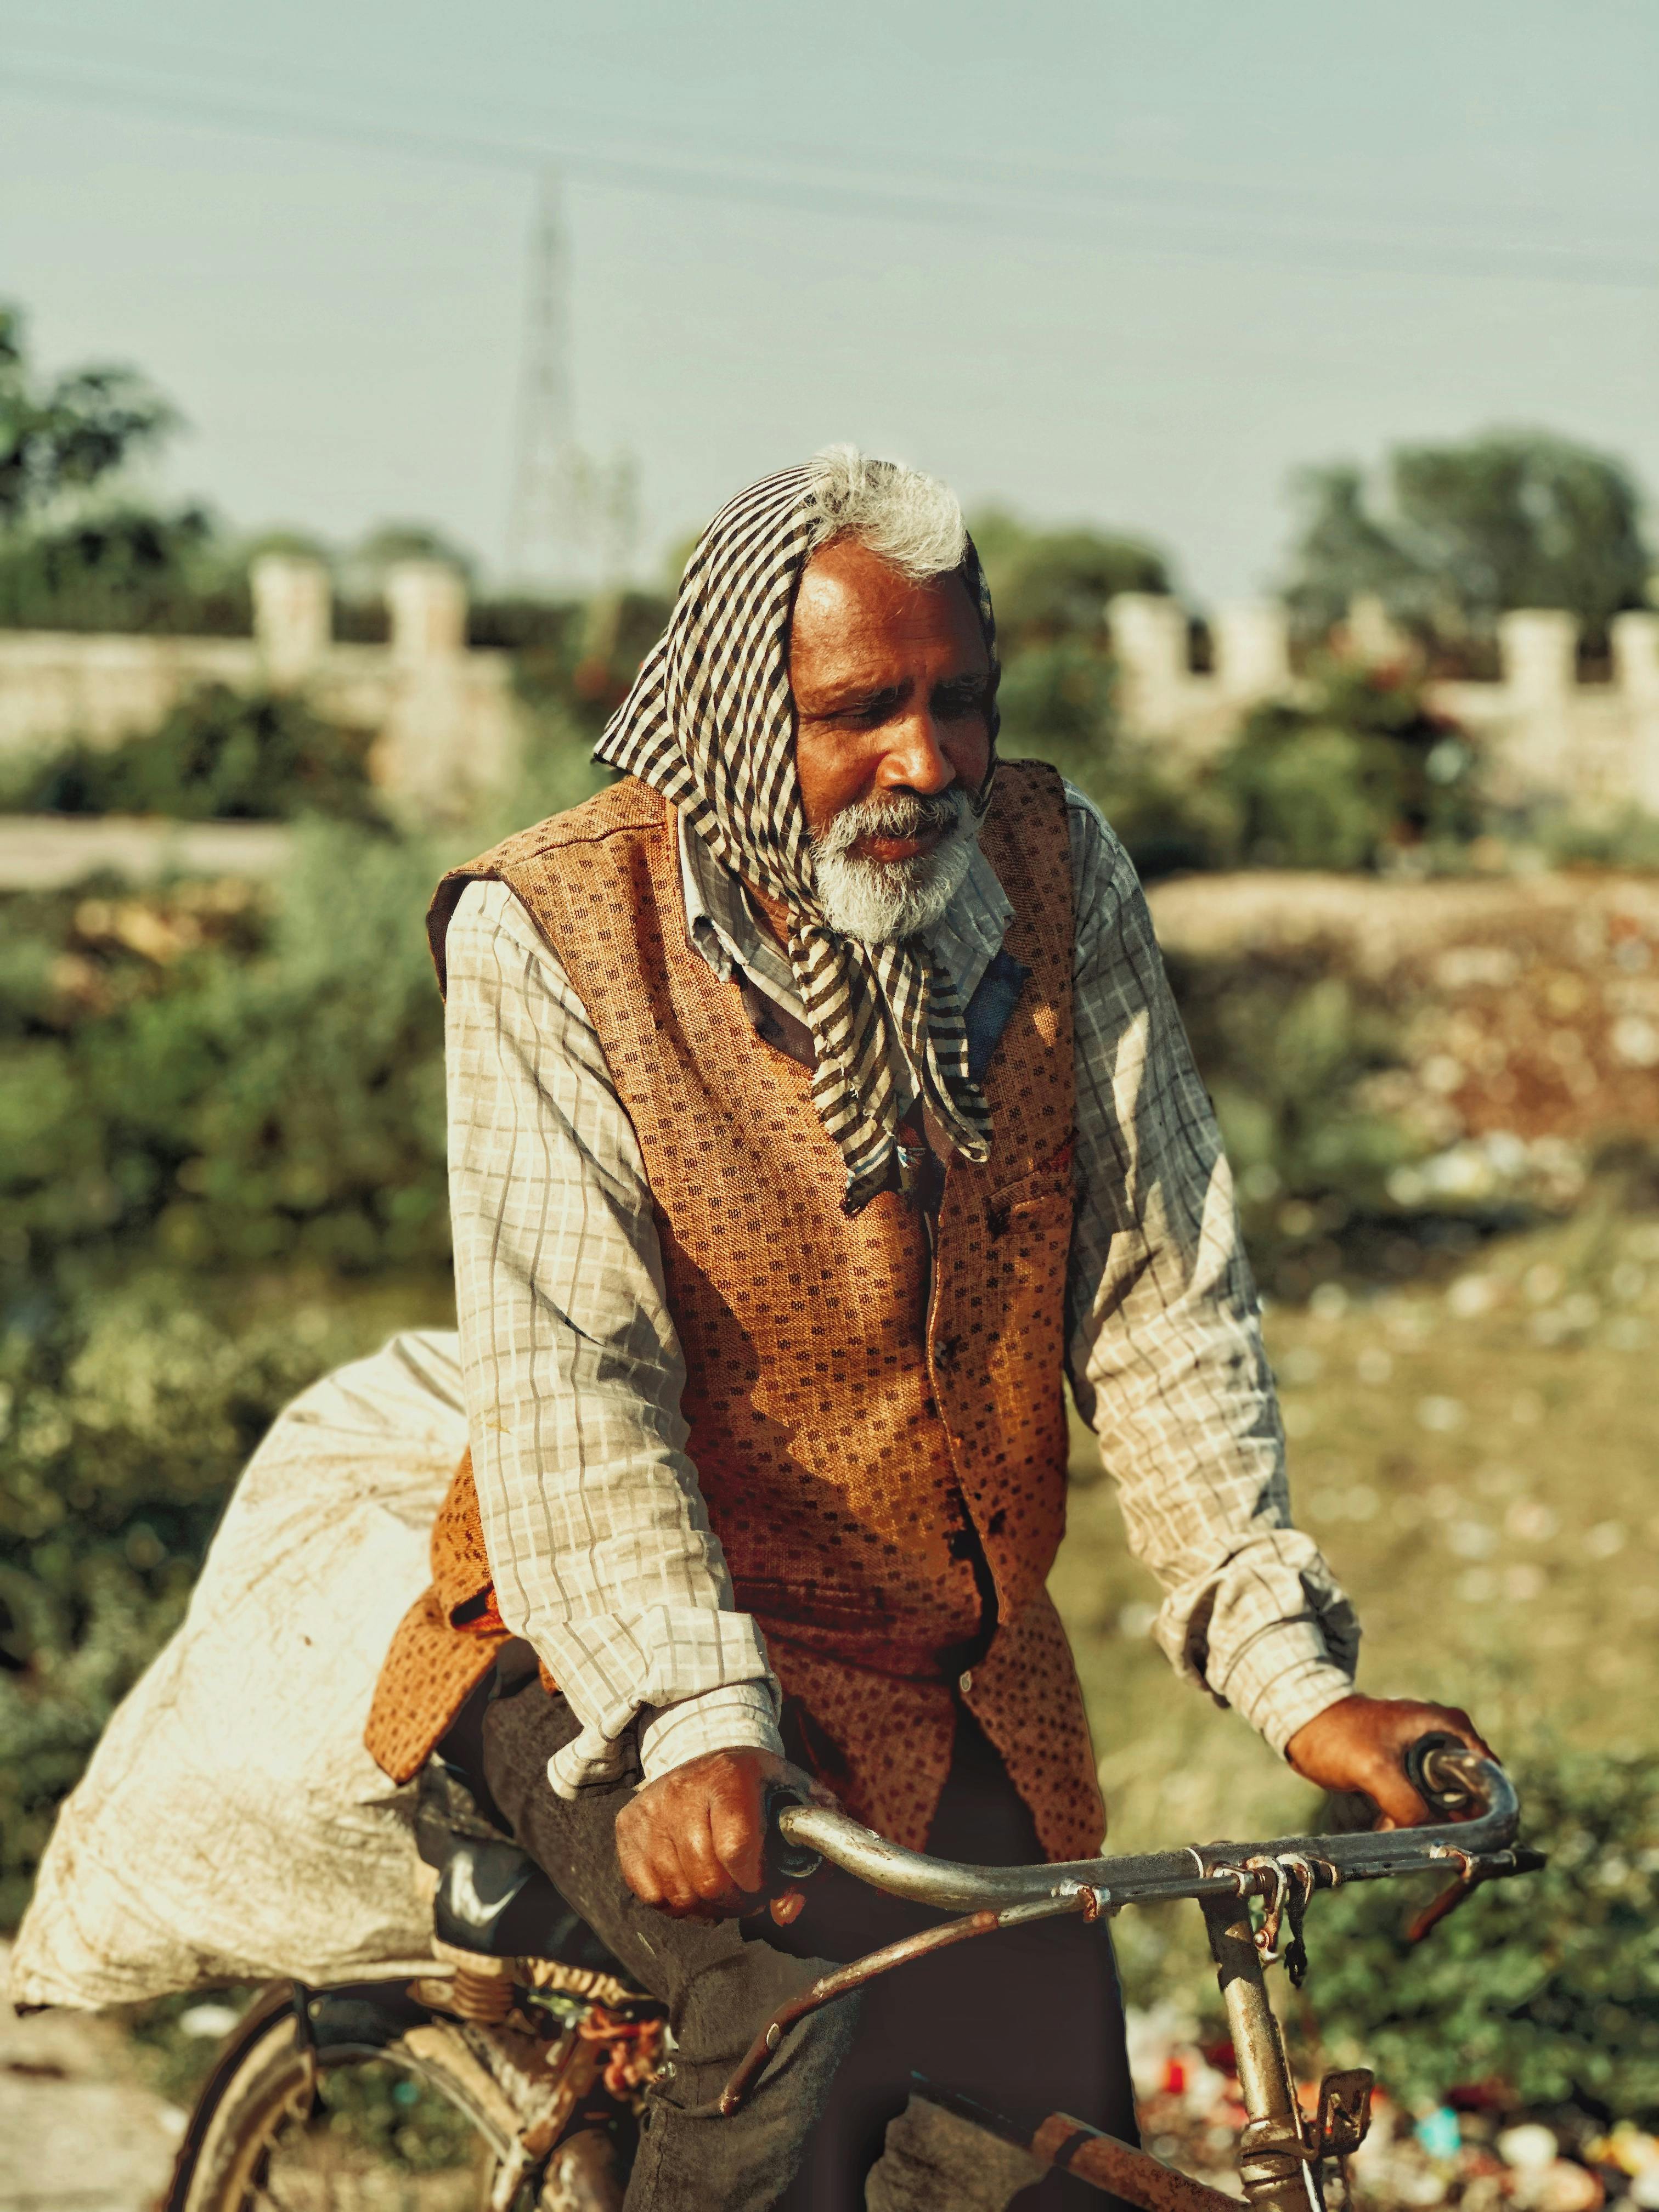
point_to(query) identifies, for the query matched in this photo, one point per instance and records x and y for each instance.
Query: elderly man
(817, 1107)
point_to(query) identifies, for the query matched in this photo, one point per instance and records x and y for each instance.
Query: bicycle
(531, 2032)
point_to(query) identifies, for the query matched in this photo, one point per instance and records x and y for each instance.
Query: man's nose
(915, 760)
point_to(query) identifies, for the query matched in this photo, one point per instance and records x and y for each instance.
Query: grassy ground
(1477, 1456)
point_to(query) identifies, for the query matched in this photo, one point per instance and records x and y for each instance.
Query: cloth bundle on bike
(231, 1826)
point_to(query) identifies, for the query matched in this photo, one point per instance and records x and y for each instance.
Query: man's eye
(957, 701)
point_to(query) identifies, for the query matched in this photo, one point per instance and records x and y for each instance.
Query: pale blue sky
(1126, 264)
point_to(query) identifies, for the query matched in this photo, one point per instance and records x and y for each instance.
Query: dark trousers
(1029, 2022)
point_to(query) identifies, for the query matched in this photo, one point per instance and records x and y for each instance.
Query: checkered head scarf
(710, 724)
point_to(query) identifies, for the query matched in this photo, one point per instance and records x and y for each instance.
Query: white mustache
(901, 815)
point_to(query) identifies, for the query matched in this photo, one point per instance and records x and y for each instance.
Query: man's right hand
(693, 1842)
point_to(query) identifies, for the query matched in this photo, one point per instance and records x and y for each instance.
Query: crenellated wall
(447, 718)
(1544, 734)
(449, 721)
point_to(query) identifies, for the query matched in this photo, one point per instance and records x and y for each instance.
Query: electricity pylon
(546, 530)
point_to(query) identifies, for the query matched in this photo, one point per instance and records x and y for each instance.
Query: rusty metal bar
(1072, 2147)
(1275, 2157)
(828, 1987)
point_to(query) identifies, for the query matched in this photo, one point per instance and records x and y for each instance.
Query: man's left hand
(1357, 1744)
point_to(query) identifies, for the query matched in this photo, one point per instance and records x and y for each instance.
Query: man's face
(892, 686)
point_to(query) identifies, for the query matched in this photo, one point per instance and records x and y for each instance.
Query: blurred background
(364, 377)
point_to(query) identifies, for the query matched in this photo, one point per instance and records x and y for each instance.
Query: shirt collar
(721, 922)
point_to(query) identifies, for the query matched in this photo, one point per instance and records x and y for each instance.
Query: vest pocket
(1050, 1184)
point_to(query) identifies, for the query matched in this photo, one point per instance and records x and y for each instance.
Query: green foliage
(386, 2113)
(269, 1090)
(1346, 777)
(125, 568)
(1514, 519)
(212, 1105)
(364, 567)
(200, 1092)
(1059, 705)
(1285, 1043)
(1601, 837)
(1060, 697)
(1549, 1983)
(1349, 775)
(219, 754)
(1054, 584)
(71, 558)
(127, 1414)
(64, 436)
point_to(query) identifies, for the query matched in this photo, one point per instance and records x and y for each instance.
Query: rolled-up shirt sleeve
(597, 1535)
(1165, 1343)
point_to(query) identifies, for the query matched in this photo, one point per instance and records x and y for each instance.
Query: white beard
(878, 902)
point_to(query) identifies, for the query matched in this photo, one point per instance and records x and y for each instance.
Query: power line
(1166, 190)
(947, 205)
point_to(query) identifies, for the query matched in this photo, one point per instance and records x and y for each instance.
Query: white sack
(231, 1826)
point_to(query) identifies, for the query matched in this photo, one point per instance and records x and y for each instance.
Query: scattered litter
(1478, 2150)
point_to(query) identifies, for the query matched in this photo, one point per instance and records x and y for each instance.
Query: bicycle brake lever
(1520, 1859)
(1443, 1905)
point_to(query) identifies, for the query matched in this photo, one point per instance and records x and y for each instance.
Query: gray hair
(908, 519)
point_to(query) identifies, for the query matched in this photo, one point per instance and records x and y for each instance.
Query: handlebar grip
(785, 1861)
(1437, 1782)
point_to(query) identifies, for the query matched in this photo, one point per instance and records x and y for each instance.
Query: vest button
(965, 1681)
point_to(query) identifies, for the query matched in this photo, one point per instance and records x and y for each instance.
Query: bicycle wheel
(267, 2134)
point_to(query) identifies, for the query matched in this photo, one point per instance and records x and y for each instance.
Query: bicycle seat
(492, 1897)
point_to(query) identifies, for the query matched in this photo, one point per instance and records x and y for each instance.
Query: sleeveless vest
(878, 1427)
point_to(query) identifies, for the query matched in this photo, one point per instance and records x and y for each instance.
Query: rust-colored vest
(847, 1425)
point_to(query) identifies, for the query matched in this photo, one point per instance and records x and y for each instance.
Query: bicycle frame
(1281, 2153)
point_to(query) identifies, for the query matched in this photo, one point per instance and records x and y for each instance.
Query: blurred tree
(1515, 518)
(1342, 551)
(69, 434)
(674, 560)
(286, 537)
(74, 554)
(1057, 699)
(1051, 589)
(1352, 771)
(1048, 585)
(366, 565)
(575, 662)
(123, 568)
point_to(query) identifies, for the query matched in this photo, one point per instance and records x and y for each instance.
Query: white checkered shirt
(596, 1529)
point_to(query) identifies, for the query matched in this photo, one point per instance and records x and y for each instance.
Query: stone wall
(1545, 733)
(446, 718)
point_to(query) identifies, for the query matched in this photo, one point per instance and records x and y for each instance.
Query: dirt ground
(78, 2131)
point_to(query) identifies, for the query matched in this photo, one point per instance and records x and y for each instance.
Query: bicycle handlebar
(1285, 1874)
(1450, 1775)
